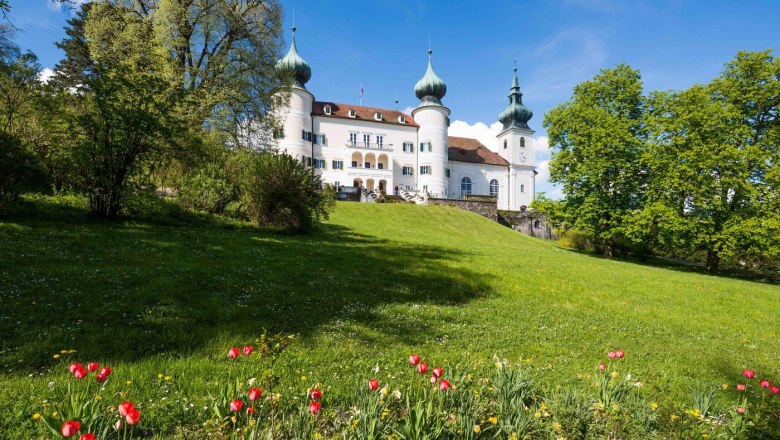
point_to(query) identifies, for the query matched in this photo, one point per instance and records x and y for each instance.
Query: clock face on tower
(523, 157)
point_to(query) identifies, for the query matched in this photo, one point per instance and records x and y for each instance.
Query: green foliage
(19, 171)
(207, 189)
(598, 137)
(280, 192)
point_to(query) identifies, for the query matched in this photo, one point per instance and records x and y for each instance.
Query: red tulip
(373, 384)
(749, 373)
(765, 383)
(106, 371)
(740, 387)
(80, 373)
(92, 366)
(611, 355)
(422, 368)
(248, 350)
(73, 367)
(125, 408)
(236, 405)
(100, 378)
(87, 436)
(444, 385)
(314, 407)
(438, 372)
(133, 417)
(251, 410)
(70, 428)
(255, 393)
(414, 359)
(433, 379)
(233, 353)
(619, 354)
(774, 390)
(602, 367)
(316, 395)
(741, 410)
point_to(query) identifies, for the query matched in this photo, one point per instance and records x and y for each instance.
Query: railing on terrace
(369, 145)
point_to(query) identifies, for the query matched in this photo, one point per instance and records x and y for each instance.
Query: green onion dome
(294, 63)
(515, 115)
(430, 89)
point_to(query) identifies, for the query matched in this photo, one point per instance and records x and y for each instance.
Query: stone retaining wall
(484, 208)
(529, 223)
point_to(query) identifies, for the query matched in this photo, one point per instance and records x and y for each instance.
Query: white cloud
(56, 5)
(45, 75)
(479, 131)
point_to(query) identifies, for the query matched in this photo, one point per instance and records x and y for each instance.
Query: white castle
(387, 151)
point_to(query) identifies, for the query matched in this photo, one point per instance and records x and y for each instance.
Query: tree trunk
(713, 259)
(608, 249)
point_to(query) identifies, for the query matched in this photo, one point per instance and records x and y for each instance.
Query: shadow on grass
(134, 289)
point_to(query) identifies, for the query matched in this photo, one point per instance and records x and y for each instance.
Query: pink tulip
(741, 410)
(255, 393)
(749, 373)
(80, 373)
(133, 417)
(422, 368)
(414, 359)
(765, 383)
(438, 372)
(233, 353)
(740, 387)
(73, 367)
(619, 354)
(92, 366)
(774, 390)
(433, 379)
(236, 405)
(602, 367)
(70, 428)
(251, 410)
(106, 371)
(125, 408)
(373, 384)
(248, 350)
(314, 407)
(316, 395)
(118, 425)
(611, 355)
(444, 385)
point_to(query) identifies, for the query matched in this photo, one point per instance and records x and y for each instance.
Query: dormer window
(352, 113)
(402, 119)
(378, 116)
(327, 110)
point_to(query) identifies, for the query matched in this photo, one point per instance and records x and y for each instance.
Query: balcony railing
(369, 145)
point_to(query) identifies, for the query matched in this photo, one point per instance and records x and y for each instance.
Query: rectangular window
(408, 147)
(338, 165)
(367, 165)
(425, 188)
(407, 171)
(353, 139)
(430, 147)
(354, 164)
(308, 161)
(380, 165)
(319, 164)
(380, 140)
(319, 139)
(425, 169)
(426, 145)
(306, 135)
(522, 188)
(447, 172)
(422, 146)
(367, 140)
(337, 184)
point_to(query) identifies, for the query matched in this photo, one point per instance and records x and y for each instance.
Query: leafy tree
(714, 159)
(280, 192)
(598, 137)
(73, 70)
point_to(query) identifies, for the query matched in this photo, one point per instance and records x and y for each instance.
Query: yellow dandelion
(557, 426)
(514, 436)
(493, 420)
(303, 378)
(654, 405)
(129, 382)
(725, 386)
(167, 377)
(705, 436)
(354, 423)
(615, 374)
(64, 351)
(36, 416)
(674, 417)
(56, 356)
(159, 375)
(54, 414)
(477, 429)
(71, 351)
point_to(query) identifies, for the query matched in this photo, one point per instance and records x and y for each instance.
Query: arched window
(465, 186)
(494, 187)
(522, 142)
(504, 144)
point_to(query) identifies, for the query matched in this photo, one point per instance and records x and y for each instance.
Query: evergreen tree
(73, 70)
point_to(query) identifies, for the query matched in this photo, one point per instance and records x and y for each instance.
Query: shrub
(280, 192)
(207, 189)
(19, 171)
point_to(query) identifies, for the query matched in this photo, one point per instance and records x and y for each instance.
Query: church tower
(432, 145)
(515, 144)
(296, 114)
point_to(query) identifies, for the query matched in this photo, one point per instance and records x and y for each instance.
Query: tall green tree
(77, 64)
(714, 159)
(597, 138)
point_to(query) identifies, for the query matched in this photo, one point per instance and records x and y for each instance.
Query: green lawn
(379, 281)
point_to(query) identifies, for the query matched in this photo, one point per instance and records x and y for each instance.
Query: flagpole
(361, 93)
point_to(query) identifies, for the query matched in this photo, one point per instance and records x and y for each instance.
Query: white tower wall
(433, 128)
(297, 119)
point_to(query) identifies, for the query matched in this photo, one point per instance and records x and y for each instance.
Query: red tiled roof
(471, 150)
(361, 113)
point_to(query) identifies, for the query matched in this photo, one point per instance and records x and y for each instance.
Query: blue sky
(557, 44)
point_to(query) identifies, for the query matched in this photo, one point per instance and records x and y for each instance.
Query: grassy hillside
(379, 281)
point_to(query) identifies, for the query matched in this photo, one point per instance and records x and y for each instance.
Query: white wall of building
(433, 122)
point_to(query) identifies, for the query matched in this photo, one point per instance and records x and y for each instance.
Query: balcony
(369, 146)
